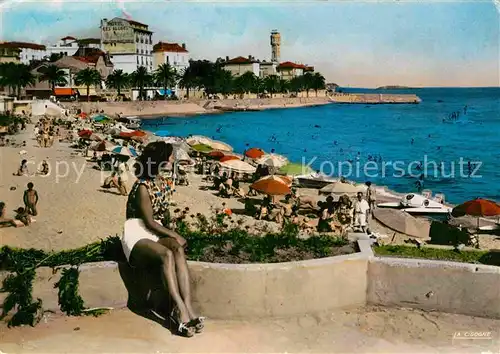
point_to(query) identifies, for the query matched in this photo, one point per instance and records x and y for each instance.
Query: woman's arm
(146, 211)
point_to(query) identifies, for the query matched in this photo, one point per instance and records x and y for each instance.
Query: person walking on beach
(30, 199)
(361, 208)
(148, 244)
(370, 196)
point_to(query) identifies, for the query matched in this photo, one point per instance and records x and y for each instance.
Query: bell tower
(275, 46)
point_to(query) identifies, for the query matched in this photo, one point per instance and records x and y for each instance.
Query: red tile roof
(290, 65)
(68, 37)
(25, 45)
(240, 60)
(169, 47)
(91, 58)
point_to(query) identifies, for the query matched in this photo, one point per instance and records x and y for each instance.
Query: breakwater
(374, 98)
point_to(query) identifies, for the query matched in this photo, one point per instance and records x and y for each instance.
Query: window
(137, 51)
(168, 60)
(137, 39)
(137, 60)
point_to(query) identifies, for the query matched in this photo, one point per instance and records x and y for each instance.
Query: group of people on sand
(24, 215)
(45, 132)
(22, 170)
(118, 178)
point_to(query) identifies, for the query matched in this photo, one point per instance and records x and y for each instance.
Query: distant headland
(394, 87)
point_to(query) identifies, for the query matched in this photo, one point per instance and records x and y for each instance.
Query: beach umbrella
(254, 153)
(216, 154)
(85, 133)
(273, 160)
(100, 118)
(219, 145)
(104, 145)
(283, 179)
(478, 207)
(198, 139)
(295, 169)
(229, 158)
(341, 188)
(83, 115)
(238, 166)
(271, 185)
(403, 222)
(181, 155)
(201, 148)
(125, 151)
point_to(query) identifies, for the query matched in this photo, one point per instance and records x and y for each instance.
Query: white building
(173, 54)
(128, 42)
(240, 65)
(29, 51)
(66, 46)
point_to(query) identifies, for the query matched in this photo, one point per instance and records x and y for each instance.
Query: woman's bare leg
(146, 252)
(182, 273)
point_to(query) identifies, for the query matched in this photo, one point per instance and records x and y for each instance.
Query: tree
(141, 78)
(88, 77)
(308, 82)
(272, 84)
(296, 84)
(54, 76)
(188, 80)
(223, 81)
(245, 83)
(23, 77)
(284, 85)
(118, 80)
(54, 57)
(165, 76)
(318, 82)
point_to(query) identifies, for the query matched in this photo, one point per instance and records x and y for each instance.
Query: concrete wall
(463, 288)
(242, 291)
(232, 291)
(272, 290)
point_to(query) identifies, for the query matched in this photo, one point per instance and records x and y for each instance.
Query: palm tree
(23, 77)
(118, 80)
(141, 78)
(88, 77)
(54, 76)
(272, 84)
(166, 76)
(318, 82)
(188, 80)
(308, 82)
(296, 84)
(284, 85)
(6, 75)
(223, 81)
(245, 83)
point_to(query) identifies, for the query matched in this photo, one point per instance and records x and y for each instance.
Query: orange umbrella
(271, 185)
(85, 133)
(254, 153)
(477, 207)
(83, 115)
(229, 158)
(216, 154)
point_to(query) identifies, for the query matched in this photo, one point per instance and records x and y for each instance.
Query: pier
(374, 98)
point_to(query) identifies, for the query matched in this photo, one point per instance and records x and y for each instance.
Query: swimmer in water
(412, 141)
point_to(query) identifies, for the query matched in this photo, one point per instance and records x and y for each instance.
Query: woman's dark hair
(2, 207)
(153, 157)
(23, 162)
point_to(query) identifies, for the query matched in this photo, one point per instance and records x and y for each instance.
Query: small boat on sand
(418, 204)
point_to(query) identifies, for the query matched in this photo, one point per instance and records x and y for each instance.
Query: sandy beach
(74, 210)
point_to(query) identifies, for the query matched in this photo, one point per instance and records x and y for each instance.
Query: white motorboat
(314, 180)
(418, 204)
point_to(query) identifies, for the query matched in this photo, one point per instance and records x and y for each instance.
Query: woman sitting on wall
(147, 243)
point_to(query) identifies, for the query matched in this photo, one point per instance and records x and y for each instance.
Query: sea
(450, 141)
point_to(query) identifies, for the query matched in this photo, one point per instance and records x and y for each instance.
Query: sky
(352, 43)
